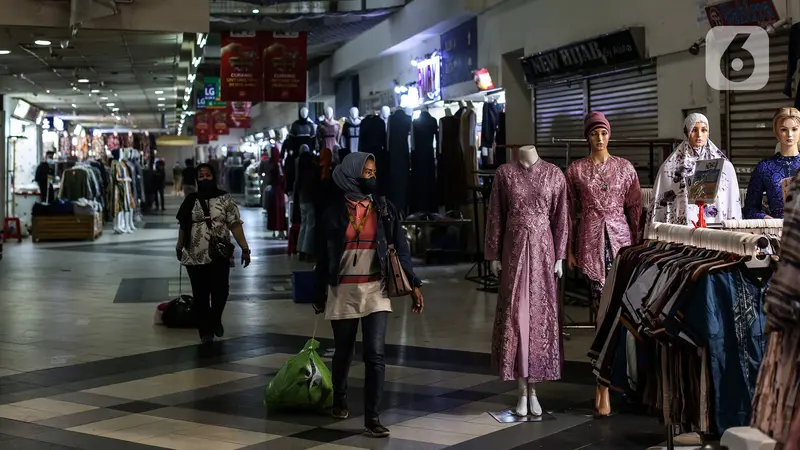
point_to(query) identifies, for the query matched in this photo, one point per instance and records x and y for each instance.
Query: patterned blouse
(224, 214)
(766, 178)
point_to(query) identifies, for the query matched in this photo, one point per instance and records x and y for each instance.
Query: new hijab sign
(607, 50)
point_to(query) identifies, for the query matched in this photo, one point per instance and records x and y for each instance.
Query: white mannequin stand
(527, 391)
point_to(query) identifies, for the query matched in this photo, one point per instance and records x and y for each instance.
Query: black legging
(210, 290)
(160, 194)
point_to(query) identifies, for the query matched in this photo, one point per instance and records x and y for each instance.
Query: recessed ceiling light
(115, 109)
(42, 42)
(95, 91)
(161, 99)
(159, 92)
(5, 52)
(161, 105)
(109, 104)
(103, 98)
(256, 11)
(83, 80)
(116, 95)
(47, 90)
(74, 105)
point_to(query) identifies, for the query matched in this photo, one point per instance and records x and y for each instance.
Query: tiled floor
(83, 367)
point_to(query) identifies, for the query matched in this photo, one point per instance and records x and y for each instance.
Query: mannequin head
(695, 127)
(597, 131)
(329, 113)
(385, 112)
(528, 155)
(409, 111)
(116, 133)
(304, 113)
(786, 126)
(354, 113)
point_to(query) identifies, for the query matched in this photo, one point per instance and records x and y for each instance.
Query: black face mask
(368, 186)
(206, 186)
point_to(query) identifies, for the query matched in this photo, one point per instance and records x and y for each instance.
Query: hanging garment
(452, 181)
(276, 196)
(113, 142)
(467, 138)
(794, 57)
(423, 164)
(671, 193)
(609, 201)
(328, 135)
(500, 140)
(374, 140)
(302, 132)
(527, 230)
(399, 159)
(766, 178)
(351, 134)
(489, 124)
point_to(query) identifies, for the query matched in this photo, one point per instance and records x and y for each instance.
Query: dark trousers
(160, 194)
(46, 193)
(210, 292)
(373, 329)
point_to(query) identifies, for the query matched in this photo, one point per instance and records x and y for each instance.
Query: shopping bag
(303, 383)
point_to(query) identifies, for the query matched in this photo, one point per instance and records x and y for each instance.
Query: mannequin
(605, 189)
(385, 113)
(113, 141)
(302, 132)
(451, 185)
(527, 232)
(670, 191)
(395, 180)
(328, 132)
(351, 132)
(771, 172)
(122, 199)
(373, 139)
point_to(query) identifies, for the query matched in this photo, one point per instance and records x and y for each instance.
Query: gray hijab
(348, 172)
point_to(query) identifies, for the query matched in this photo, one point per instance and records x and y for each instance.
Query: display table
(746, 438)
(426, 247)
(67, 227)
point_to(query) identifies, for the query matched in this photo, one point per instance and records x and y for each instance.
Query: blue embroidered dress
(767, 178)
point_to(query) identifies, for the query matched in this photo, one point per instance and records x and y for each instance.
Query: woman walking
(276, 196)
(207, 218)
(355, 232)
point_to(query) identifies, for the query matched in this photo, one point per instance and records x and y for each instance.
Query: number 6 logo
(719, 40)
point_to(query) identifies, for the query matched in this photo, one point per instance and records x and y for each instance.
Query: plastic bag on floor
(303, 383)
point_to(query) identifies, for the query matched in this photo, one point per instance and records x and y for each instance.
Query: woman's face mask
(368, 186)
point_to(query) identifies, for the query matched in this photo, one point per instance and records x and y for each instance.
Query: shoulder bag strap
(386, 222)
(207, 213)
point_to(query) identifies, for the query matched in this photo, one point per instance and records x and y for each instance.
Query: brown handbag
(397, 284)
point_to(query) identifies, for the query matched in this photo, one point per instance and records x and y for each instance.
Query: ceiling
(123, 68)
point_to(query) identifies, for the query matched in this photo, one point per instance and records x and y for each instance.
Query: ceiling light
(47, 90)
(115, 109)
(109, 104)
(103, 98)
(161, 99)
(5, 52)
(74, 105)
(256, 11)
(74, 88)
(83, 80)
(161, 105)
(42, 42)
(117, 117)
(159, 92)
(116, 95)
(95, 91)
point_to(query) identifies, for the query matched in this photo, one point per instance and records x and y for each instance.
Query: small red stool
(8, 232)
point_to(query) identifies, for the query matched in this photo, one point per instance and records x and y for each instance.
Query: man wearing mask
(44, 178)
(189, 178)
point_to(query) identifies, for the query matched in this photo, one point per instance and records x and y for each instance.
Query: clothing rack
(738, 243)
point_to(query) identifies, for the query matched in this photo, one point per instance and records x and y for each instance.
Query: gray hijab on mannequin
(347, 174)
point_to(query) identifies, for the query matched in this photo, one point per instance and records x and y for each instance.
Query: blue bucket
(303, 282)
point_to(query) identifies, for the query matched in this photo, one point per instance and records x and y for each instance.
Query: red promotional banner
(239, 114)
(219, 122)
(285, 60)
(202, 129)
(241, 70)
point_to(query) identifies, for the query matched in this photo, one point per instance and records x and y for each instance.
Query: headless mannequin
(528, 402)
(126, 154)
(385, 113)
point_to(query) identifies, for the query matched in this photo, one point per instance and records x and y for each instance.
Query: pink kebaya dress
(527, 230)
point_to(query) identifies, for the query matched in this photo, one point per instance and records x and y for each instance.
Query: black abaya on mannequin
(373, 140)
(399, 159)
(452, 182)
(423, 164)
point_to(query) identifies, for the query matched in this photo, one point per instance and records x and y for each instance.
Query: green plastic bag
(303, 383)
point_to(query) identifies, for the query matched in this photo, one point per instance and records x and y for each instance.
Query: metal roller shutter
(628, 98)
(558, 111)
(750, 137)
(630, 102)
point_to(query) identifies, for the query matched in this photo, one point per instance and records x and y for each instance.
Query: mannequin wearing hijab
(778, 169)
(671, 193)
(355, 232)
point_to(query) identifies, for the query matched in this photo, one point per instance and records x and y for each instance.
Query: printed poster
(705, 181)
(285, 59)
(241, 71)
(239, 114)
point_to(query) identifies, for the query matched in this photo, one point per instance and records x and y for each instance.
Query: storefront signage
(202, 129)
(200, 103)
(285, 59)
(241, 71)
(459, 53)
(742, 12)
(607, 50)
(219, 122)
(212, 88)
